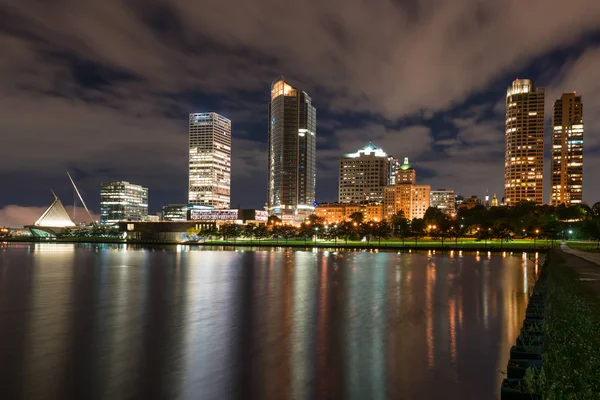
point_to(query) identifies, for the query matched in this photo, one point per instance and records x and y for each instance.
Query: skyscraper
(122, 201)
(524, 155)
(364, 175)
(292, 152)
(567, 150)
(210, 160)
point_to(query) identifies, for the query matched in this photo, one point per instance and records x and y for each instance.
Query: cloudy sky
(103, 88)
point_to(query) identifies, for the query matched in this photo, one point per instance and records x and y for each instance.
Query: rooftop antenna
(82, 202)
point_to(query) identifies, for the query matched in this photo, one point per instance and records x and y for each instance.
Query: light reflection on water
(115, 321)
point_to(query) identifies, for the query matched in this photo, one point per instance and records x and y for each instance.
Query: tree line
(524, 220)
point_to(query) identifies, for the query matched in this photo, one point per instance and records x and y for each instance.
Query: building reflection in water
(187, 323)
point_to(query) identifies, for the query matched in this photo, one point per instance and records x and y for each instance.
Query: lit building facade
(405, 173)
(444, 199)
(333, 213)
(406, 196)
(567, 150)
(292, 152)
(524, 154)
(123, 201)
(181, 212)
(209, 160)
(364, 175)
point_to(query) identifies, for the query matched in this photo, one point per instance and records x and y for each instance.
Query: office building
(444, 199)
(524, 154)
(406, 196)
(123, 201)
(405, 173)
(209, 160)
(567, 150)
(292, 152)
(364, 175)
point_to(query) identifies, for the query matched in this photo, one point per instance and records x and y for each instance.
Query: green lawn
(426, 243)
(587, 246)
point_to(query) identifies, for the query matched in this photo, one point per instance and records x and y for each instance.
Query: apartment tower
(567, 150)
(524, 154)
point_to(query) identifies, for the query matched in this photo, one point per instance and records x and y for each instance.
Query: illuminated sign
(261, 215)
(214, 215)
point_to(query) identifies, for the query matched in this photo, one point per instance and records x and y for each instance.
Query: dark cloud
(103, 88)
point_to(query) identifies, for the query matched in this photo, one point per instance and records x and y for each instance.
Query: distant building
(471, 202)
(122, 201)
(292, 152)
(494, 201)
(181, 212)
(444, 199)
(364, 175)
(209, 160)
(524, 155)
(334, 213)
(567, 150)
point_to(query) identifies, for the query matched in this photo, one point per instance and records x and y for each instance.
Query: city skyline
(107, 108)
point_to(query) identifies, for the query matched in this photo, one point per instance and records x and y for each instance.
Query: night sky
(103, 89)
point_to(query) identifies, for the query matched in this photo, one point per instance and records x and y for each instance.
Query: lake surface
(116, 322)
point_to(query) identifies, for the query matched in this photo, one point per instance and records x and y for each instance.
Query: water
(110, 322)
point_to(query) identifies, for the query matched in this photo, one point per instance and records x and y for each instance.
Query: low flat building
(181, 212)
(334, 213)
(238, 216)
(163, 231)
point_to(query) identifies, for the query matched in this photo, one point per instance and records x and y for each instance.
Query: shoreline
(493, 247)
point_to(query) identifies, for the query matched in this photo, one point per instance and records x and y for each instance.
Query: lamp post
(335, 233)
(535, 238)
(316, 231)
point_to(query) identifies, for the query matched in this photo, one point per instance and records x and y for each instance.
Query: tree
(346, 230)
(287, 232)
(592, 228)
(232, 231)
(261, 232)
(596, 209)
(484, 233)
(382, 230)
(315, 219)
(248, 231)
(457, 231)
(209, 232)
(366, 231)
(552, 231)
(400, 226)
(357, 217)
(417, 229)
(442, 231)
(306, 231)
(502, 231)
(434, 216)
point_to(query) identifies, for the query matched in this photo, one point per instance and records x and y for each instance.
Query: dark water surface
(110, 322)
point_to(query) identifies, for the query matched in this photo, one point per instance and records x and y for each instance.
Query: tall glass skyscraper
(567, 150)
(122, 201)
(292, 152)
(210, 160)
(524, 155)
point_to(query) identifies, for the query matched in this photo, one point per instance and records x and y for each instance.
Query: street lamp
(316, 231)
(535, 238)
